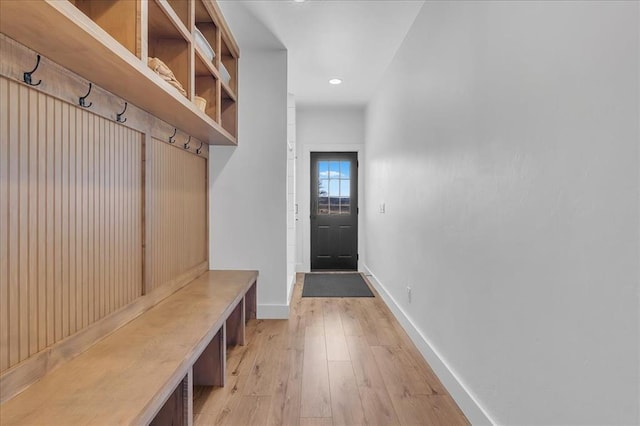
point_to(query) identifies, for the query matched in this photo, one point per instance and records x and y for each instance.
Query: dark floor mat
(335, 285)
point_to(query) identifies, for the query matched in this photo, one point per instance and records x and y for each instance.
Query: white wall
(324, 129)
(504, 142)
(248, 226)
(291, 194)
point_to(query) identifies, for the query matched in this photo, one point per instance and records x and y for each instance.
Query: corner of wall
(273, 311)
(463, 397)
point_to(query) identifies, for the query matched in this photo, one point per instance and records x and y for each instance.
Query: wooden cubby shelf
(182, 8)
(206, 86)
(228, 111)
(110, 42)
(229, 60)
(168, 41)
(118, 18)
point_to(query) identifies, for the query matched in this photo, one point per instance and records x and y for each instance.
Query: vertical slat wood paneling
(175, 213)
(49, 185)
(33, 225)
(70, 220)
(64, 220)
(57, 219)
(42, 223)
(12, 235)
(195, 224)
(73, 202)
(4, 224)
(23, 221)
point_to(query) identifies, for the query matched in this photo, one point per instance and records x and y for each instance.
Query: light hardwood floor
(334, 362)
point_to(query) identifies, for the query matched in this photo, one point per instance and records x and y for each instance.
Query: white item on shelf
(224, 73)
(200, 102)
(203, 44)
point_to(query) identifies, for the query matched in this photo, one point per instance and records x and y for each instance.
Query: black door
(334, 211)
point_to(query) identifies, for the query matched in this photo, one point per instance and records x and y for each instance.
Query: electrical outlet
(382, 208)
(409, 293)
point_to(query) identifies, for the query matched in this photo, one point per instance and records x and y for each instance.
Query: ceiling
(354, 40)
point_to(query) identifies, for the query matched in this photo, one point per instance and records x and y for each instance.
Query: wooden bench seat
(130, 375)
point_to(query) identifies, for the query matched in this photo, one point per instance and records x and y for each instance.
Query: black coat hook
(199, 150)
(171, 138)
(82, 102)
(119, 116)
(27, 75)
(186, 145)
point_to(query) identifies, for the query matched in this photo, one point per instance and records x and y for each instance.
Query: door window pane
(345, 199)
(323, 169)
(323, 205)
(345, 170)
(323, 190)
(323, 187)
(334, 187)
(334, 202)
(334, 169)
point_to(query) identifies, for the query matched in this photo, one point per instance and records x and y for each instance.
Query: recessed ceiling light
(298, 1)
(335, 81)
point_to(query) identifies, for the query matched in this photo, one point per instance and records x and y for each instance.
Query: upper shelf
(78, 43)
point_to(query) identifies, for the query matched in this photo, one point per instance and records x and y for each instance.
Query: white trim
(305, 201)
(273, 312)
(465, 399)
(292, 283)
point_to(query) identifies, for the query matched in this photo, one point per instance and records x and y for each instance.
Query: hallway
(334, 362)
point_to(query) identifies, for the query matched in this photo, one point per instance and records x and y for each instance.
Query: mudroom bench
(144, 372)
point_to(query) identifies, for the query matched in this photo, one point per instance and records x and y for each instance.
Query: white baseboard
(463, 397)
(273, 312)
(292, 282)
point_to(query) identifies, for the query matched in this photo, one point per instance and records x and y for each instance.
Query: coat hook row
(27, 75)
(172, 140)
(82, 99)
(83, 103)
(119, 116)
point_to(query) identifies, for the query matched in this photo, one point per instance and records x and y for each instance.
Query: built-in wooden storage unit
(106, 200)
(107, 205)
(110, 42)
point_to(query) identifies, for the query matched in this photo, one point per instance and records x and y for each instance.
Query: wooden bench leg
(251, 307)
(187, 396)
(178, 409)
(235, 325)
(209, 369)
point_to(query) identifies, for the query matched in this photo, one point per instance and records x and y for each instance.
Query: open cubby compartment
(230, 62)
(119, 18)
(207, 86)
(175, 411)
(205, 24)
(168, 44)
(228, 112)
(182, 8)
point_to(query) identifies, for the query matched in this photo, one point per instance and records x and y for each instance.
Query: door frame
(303, 228)
(334, 222)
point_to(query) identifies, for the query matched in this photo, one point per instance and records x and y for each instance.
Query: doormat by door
(335, 285)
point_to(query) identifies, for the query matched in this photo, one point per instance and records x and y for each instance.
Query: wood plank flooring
(334, 362)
